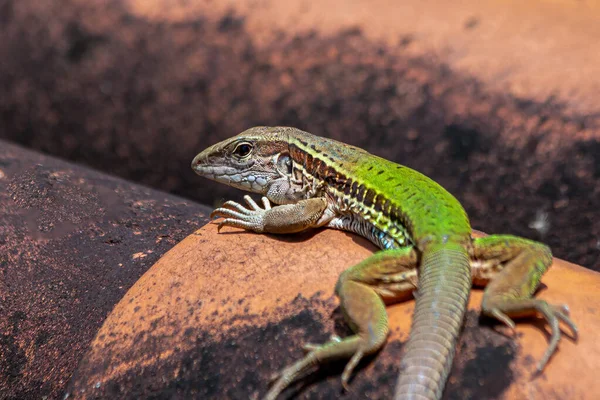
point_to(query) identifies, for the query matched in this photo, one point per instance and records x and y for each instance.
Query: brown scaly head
(257, 160)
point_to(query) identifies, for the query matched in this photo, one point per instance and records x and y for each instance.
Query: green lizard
(426, 243)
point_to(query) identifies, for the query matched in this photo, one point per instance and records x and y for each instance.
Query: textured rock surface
(496, 100)
(72, 242)
(219, 313)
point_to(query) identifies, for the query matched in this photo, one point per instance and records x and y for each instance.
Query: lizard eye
(242, 150)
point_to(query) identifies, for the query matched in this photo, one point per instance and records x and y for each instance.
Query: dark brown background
(72, 243)
(495, 100)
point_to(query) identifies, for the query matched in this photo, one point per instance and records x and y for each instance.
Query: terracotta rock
(72, 242)
(219, 313)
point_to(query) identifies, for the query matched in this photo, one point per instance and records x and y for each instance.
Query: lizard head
(256, 160)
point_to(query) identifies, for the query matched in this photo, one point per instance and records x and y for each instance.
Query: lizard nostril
(197, 161)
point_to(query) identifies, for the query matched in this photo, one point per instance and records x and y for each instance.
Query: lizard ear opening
(284, 163)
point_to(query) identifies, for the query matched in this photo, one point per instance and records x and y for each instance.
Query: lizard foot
(334, 349)
(282, 379)
(551, 313)
(236, 215)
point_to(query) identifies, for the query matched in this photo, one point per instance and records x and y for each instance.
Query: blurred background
(495, 100)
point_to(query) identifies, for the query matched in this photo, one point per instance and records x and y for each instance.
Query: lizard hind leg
(385, 275)
(509, 292)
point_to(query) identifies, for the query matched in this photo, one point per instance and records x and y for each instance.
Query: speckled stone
(219, 313)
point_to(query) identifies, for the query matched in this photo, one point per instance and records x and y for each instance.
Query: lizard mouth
(202, 165)
(228, 175)
(199, 162)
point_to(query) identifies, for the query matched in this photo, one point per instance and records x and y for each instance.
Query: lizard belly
(355, 223)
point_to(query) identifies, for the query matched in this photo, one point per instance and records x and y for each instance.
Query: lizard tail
(444, 287)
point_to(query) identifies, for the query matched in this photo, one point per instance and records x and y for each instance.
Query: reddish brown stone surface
(72, 242)
(219, 313)
(496, 100)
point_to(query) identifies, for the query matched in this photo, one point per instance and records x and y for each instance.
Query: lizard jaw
(231, 176)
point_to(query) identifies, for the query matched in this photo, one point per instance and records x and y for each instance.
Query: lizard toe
(350, 368)
(553, 315)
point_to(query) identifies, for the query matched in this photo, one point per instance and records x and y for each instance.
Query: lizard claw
(281, 380)
(505, 319)
(350, 368)
(553, 315)
(238, 216)
(317, 354)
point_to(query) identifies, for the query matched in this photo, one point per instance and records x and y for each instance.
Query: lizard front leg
(286, 218)
(514, 266)
(389, 275)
